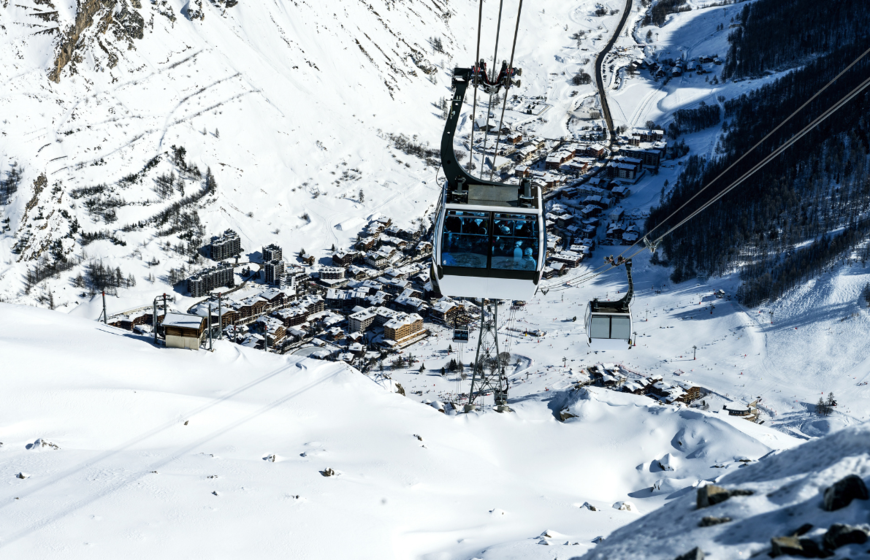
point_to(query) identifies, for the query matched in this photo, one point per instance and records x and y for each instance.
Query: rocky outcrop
(711, 495)
(99, 15)
(132, 22)
(842, 492)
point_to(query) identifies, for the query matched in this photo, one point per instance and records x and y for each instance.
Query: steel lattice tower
(488, 370)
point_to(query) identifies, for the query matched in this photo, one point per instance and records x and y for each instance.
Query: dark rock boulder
(794, 546)
(709, 521)
(840, 535)
(842, 492)
(711, 495)
(694, 554)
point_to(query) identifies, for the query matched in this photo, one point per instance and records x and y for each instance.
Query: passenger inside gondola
(516, 247)
(465, 241)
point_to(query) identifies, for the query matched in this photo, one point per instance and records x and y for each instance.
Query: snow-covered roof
(182, 321)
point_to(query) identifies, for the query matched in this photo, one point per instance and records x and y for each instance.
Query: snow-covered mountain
(311, 116)
(290, 104)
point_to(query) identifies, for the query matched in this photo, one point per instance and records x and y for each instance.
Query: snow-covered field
(290, 107)
(119, 409)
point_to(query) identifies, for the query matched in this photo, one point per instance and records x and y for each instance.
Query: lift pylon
(489, 375)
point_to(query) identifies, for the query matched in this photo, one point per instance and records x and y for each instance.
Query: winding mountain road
(599, 61)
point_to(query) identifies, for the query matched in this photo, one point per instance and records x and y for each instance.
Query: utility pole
(694, 352)
(105, 317)
(221, 315)
(210, 347)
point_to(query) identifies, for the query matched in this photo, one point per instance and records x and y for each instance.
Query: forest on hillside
(805, 210)
(777, 34)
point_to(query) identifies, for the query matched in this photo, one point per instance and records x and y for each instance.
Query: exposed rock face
(794, 546)
(99, 15)
(131, 22)
(709, 521)
(694, 554)
(711, 495)
(840, 535)
(842, 492)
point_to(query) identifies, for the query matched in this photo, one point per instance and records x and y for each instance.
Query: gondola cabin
(491, 245)
(608, 323)
(490, 237)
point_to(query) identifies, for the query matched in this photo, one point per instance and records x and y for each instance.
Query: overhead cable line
(492, 92)
(474, 108)
(768, 135)
(803, 132)
(506, 90)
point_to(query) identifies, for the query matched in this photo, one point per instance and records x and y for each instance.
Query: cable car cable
(771, 156)
(803, 132)
(768, 135)
(508, 84)
(474, 107)
(492, 91)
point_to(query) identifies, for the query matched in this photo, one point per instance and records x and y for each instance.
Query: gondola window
(466, 239)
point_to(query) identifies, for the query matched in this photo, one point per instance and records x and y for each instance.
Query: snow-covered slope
(118, 409)
(293, 106)
(282, 100)
(788, 492)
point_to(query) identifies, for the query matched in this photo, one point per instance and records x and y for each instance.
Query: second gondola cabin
(609, 323)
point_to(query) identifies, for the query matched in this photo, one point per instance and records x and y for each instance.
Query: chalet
(588, 232)
(666, 392)
(555, 269)
(343, 258)
(183, 331)
(693, 392)
(358, 272)
(620, 192)
(601, 202)
(615, 230)
(637, 386)
(383, 222)
(366, 243)
(444, 311)
(404, 329)
(522, 171)
(423, 248)
(564, 220)
(596, 151)
(570, 258)
(131, 320)
(410, 304)
(590, 210)
(557, 159)
(514, 138)
(584, 250)
(577, 166)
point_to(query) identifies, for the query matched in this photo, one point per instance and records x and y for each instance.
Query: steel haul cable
(506, 89)
(474, 108)
(489, 105)
(831, 110)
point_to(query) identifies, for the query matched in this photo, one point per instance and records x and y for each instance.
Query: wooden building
(183, 331)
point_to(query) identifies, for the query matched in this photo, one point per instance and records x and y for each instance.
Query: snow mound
(787, 503)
